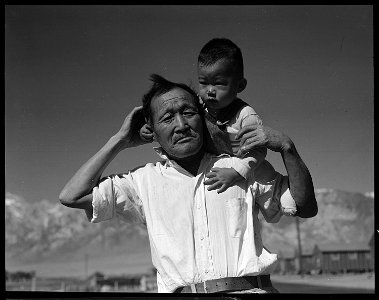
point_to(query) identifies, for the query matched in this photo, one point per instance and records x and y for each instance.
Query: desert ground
(342, 283)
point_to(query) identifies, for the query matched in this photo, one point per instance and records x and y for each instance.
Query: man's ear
(242, 85)
(150, 128)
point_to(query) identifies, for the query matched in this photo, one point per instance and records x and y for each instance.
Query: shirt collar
(161, 153)
(171, 163)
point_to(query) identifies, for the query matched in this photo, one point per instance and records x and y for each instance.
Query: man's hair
(221, 49)
(159, 87)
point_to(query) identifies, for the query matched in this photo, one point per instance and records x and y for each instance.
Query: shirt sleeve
(273, 196)
(115, 196)
(245, 165)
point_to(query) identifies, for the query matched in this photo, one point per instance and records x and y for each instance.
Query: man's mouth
(183, 139)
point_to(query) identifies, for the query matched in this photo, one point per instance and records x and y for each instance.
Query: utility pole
(299, 246)
(86, 265)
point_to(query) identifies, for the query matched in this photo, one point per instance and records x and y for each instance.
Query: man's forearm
(300, 181)
(82, 183)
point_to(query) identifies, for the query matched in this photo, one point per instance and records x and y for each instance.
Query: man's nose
(181, 122)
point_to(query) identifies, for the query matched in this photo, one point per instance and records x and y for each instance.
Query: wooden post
(299, 246)
(62, 286)
(34, 284)
(86, 265)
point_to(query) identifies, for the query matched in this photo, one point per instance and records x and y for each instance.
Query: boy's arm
(77, 192)
(223, 178)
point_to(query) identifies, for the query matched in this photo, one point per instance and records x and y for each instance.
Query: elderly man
(201, 240)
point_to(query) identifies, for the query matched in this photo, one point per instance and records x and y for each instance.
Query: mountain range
(54, 240)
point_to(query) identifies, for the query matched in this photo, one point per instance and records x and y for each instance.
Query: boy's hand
(222, 179)
(145, 134)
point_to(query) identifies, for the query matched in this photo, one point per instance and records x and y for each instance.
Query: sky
(73, 73)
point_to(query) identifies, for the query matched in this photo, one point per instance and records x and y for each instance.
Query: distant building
(148, 283)
(123, 283)
(119, 283)
(371, 244)
(307, 261)
(342, 258)
(287, 263)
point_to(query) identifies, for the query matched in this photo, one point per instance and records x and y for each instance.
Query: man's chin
(183, 151)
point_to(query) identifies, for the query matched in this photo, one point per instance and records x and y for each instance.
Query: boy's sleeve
(273, 195)
(246, 165)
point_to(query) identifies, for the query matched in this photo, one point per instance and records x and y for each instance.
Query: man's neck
(192, 163)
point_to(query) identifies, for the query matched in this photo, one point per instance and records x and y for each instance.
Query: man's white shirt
(196, 234)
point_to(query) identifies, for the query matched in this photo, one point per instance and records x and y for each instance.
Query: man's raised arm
(300, 180)
(77, 192)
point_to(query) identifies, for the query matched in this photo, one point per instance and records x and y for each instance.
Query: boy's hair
(219, 49)
(159, 87)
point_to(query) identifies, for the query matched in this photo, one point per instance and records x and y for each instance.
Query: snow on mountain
(342, 217)
(43, 232)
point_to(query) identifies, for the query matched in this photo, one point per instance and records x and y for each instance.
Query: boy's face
(218, 84)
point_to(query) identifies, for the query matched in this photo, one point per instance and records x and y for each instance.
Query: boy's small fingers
(211, 187)
(210, 181)
(210, 175)
(222, 189)
(214, 186)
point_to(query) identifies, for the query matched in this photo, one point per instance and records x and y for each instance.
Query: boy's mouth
(211, 100)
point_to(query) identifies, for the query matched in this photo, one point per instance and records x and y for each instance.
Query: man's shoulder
(148, 167)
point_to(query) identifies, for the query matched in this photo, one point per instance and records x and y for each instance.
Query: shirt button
(202, 238)
(206, 271)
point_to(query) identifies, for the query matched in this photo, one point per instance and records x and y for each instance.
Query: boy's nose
(211, 91)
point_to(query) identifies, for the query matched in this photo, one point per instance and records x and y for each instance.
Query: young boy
(221, 78)
(220, 73)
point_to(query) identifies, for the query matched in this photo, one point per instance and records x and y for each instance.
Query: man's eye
(166, 119)
(190, 113)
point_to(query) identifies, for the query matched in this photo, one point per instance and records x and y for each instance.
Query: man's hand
(222, 179)
(76, 192)
(257, 136)
(129, 133)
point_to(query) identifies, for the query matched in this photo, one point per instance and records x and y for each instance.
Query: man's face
(218, 85)
(177, 124)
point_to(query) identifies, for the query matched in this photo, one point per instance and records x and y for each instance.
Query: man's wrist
(288, 146)
(117, 142)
